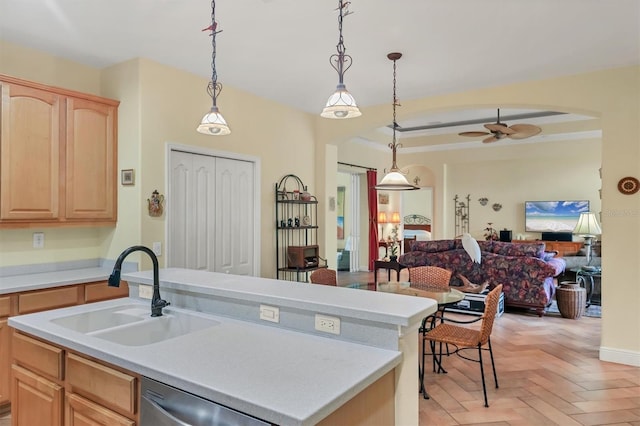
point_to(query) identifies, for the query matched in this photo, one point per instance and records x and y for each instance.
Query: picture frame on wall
(340, 212)
(127, 177)
(383, 198)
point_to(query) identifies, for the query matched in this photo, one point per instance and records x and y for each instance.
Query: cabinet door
(82, 412)
(90, 160)
(31, 123)
(34, 398)
(5, 361)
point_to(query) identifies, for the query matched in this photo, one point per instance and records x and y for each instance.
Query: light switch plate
(145, 291)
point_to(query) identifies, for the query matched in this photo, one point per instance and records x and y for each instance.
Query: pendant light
(341, 104)
(213, 123)
(395, 179)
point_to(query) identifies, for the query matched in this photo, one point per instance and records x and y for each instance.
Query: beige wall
(612, 95)
(163, 105)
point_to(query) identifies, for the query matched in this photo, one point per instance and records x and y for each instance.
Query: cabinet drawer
(5, 306)
(101, 383)
(80, 409)
(38, 356)
(95, 292)
(47, 299)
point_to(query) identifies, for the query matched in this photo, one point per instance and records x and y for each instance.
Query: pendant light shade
(395, 180)
(213, 123)
(341, 103)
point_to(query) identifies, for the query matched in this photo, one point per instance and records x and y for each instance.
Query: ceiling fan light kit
(498, 131)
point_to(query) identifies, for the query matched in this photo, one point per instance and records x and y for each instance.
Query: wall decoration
(154, 204)
(628, 185)
(383, 198)
(483, 201)
(461, 215)
(127, 177)
(496, 207)
(340, 212)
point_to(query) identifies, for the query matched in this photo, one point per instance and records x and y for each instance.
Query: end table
(389, 265)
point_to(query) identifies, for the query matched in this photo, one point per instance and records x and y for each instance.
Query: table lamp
(588, 228)
(382, 219)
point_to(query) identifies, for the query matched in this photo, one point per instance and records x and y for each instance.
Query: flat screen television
(553, 216)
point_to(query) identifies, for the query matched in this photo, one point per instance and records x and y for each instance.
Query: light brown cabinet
(5, 351)
(54, 386)
(37, 301)
(35, 398)
(58, 151)
(564, 248)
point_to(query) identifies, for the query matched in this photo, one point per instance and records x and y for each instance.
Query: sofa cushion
(511, 249)
(433, 246)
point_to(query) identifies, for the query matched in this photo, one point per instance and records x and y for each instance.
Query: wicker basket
(571, 299)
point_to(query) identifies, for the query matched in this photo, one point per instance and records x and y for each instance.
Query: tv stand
(564, 248)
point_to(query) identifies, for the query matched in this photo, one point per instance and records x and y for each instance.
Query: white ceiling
(279, 49)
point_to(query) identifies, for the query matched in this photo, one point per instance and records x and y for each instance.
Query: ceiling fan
(500, 130)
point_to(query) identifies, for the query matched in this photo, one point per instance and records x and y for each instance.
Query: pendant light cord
(393, 145)
(338, 61)
(214, 88)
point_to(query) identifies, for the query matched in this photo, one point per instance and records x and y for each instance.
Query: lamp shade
(395, 181)
(341, 105)
(395, 217)
(587, 225)
(382, 217)
(213, 123)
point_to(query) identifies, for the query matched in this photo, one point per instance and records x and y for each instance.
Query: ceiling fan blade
(490, 139)
(523, 131)
(474, 134)
(499, 127)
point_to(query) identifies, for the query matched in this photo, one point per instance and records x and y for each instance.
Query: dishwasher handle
(168, 419)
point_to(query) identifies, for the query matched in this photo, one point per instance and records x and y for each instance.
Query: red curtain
(372, 181)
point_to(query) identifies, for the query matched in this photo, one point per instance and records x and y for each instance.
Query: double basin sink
(131, 324)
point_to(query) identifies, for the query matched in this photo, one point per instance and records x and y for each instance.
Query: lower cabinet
(80, 411)
(42, 300)
(35, 399)
(54, 386)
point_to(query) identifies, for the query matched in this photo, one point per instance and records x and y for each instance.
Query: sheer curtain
(372, 180)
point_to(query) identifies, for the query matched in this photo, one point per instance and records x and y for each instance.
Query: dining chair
(429, 276)
(324, 276)
(464, 338)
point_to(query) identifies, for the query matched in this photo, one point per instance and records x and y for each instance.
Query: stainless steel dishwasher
(164, 405)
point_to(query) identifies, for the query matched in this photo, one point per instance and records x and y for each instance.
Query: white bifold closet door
(210, 221)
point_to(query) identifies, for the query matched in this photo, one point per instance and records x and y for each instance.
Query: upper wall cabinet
(58, 153)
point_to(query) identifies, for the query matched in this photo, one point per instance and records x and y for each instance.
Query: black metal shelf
(295, 244)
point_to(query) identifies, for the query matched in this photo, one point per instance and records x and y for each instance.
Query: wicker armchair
(324, 276)
(464, 338)
(429, 277)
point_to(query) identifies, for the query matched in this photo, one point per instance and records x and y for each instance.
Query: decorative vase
(393, 258)
(571, 299)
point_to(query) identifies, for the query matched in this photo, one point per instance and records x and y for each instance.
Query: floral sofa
(526, 271)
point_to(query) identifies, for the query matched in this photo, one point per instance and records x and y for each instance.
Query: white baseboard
(620, 356)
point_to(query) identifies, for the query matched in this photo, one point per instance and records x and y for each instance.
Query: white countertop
(42, 280)
(341, 301)
(282, 376)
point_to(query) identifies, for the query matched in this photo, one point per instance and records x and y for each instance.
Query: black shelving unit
(297, 250)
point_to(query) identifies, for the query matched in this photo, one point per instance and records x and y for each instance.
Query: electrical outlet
(157, 248)
(145, 291)
(269, 313)
(328, 324)
(38, 240)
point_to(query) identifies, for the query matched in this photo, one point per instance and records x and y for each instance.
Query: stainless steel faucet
(114, 279)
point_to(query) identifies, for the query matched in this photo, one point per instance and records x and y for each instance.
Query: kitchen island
(284, 372)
